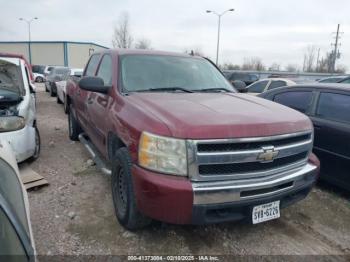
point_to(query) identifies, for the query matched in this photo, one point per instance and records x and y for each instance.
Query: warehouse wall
(78, 54)
(47, 54)
(15, 48)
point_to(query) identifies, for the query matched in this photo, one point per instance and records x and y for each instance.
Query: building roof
(52, 42)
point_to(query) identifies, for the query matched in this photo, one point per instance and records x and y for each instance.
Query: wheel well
(114, 143)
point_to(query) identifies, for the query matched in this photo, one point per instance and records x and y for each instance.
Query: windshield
(145, 72)
(11, 77)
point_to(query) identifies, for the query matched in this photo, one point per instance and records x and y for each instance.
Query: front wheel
(39, 79)
(58, 100)
(74, 128)
(36, 153)
(123, 193)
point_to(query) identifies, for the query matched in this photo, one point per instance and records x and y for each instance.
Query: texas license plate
(266, 212)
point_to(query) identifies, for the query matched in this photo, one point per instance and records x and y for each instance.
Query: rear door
(80, 100)
(97, 105)
(332, 136)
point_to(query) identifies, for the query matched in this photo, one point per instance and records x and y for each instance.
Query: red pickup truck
(182, 146)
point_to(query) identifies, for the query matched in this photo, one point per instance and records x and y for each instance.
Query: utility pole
(336, 53)
(318, 59)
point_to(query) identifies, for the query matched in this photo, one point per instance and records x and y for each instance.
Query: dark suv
(55, 75)
(247, 78)
(328, 106)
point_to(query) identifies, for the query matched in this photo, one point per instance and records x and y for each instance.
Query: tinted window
(105, 70)
(11, 190)
(275, 84)
(91, 67)
(334, 107)
(258, 87)
(10, 243)
(330, 80)
(300, 101)
(346, 81)
(254, 78)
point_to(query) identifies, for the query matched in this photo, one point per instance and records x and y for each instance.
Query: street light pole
(219, 27)
(29, 35)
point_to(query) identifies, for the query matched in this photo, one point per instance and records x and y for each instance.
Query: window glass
(11, 190)
(300, 100)
(105, 70)
(334, 107)
(330, 80)
(142, 72)
(258, 87)
(91, 68)
(275, 84)
(11, 245)
(346, 81)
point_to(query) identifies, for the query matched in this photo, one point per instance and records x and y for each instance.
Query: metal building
(61, 53)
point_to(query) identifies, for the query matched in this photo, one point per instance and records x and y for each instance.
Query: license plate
(266, 212)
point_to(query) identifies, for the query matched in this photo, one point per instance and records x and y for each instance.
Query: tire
(65, 105)
(74, 128)
(52, 94)
(58, 100)
(123, 193)
(36, 154)
(39, 79)
(46, 90)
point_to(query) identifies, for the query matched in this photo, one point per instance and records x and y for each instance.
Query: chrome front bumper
(229, 191)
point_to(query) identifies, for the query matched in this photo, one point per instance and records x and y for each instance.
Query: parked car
(16, 238)
(39, 78)
(57, 74)
(74, 74)
(247, 78)
(40, 69)
(48, 69)
(328, 106)
(332, 79)
(183, 145)
(268, 84)
(18, 124)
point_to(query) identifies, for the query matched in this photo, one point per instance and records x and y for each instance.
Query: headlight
(163, 154)
(11, 123)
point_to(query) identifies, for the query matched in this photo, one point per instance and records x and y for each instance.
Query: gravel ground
(74, 215)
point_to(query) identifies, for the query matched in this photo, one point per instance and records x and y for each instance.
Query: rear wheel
(58, 100)
(74, 128)
(39, 79)
(123, 193)
(65, 105)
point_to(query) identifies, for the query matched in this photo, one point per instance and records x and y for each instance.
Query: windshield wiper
(214, 89)
(173, 88)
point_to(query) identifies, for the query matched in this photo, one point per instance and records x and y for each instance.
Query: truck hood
(220, 115)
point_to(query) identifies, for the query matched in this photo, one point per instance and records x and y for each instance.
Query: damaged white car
(18, 107)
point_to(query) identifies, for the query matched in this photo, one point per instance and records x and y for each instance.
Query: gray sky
(274, 30)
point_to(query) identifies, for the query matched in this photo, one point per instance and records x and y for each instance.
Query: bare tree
(230, 66)
(253, 63)
(309, 58)
(121, 36)
(275, 67)
(291, 68)
(143, 43)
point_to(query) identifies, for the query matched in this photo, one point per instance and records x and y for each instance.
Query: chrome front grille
(244, 158)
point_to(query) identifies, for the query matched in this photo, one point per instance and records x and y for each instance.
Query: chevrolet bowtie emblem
(268, 155)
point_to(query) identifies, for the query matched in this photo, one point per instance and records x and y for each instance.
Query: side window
(346, 81)
(91, 67)
(258, 87)
(105, 70)
(276, 84)
(300, 101)
(11, 245)
(334, 107)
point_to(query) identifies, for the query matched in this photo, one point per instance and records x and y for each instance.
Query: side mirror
(93, 84)
(240, 86)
